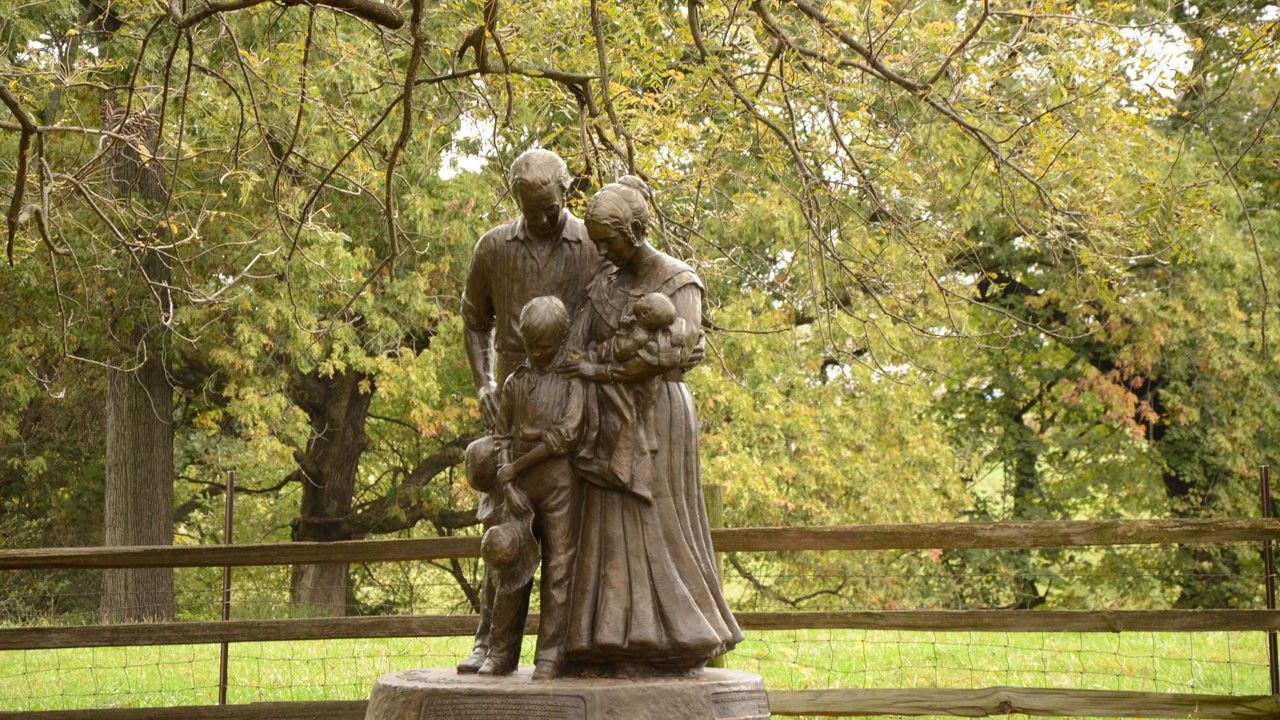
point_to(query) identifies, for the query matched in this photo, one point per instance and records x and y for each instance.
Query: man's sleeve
(477, 297)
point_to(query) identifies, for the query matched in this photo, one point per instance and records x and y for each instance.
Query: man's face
(541, 207)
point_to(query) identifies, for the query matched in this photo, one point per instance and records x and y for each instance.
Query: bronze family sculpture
(579, 335)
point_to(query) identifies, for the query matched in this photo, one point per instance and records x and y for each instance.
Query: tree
(977, 217)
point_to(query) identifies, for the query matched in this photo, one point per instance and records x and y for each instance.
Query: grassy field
(1218, 663)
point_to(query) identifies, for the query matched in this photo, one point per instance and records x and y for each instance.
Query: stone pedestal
(443, 694)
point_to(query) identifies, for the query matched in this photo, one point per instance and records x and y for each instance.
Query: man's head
(544, 322)
(539, 180)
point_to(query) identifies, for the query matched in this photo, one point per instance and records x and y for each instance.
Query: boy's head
(543, 325)
(654, 312)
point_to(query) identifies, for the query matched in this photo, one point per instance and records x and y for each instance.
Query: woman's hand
(586, 370)
(694, 358)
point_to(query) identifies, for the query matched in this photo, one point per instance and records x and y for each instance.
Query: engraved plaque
(546, 707)
(740, 705)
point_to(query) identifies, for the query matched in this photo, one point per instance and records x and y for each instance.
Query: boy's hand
(506, 474)
(517, 501)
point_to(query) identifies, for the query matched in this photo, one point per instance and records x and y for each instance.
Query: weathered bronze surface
(420, 694)
(579, 335)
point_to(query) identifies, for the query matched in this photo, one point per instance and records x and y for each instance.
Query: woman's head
(618, 217)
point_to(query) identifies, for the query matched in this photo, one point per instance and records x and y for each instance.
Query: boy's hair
(542, 317)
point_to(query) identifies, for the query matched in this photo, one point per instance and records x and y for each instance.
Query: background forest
(1008, 259)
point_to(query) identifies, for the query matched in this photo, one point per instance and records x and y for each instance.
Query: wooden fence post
(713, 496)
(1269, 567)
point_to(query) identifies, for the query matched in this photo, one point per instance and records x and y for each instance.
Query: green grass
(1217, 663)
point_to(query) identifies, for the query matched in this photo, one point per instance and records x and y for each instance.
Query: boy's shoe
(497, 666)
(473, 661)
(546, 670)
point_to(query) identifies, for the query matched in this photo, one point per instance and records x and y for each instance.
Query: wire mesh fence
(1101, 579)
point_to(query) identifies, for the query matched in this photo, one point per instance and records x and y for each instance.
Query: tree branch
(964, 42)
(406, 131)
(28, 130)
(882, 70)
(402, 508)
(605, 93)
(370, 10)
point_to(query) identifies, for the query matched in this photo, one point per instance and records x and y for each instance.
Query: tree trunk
(338, 409)
(1026, 473)
(139, 489)
(138, 502)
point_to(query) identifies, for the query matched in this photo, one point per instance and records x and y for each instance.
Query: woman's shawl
(618, 441)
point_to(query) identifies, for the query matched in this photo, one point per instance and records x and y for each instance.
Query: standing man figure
(546, 251)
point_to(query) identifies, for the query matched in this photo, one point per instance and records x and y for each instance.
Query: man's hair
(538, 168)
(544, 317)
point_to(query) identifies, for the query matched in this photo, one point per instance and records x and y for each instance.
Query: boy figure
(542, 412)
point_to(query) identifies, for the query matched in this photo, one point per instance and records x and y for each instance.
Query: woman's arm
(688, 303)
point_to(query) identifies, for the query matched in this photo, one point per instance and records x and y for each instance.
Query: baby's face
(644, 315)
(653, 316)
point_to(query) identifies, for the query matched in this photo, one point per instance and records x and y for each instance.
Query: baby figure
(650, 331)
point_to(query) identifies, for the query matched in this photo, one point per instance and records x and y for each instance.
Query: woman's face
(618, 249)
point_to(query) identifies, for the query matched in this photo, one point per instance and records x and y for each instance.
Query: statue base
(443, 694)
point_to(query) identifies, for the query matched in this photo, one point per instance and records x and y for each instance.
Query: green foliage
(1021, 275)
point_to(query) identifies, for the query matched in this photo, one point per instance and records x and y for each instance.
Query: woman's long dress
(646, 586)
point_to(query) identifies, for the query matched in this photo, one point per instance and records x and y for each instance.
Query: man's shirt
(509, 269)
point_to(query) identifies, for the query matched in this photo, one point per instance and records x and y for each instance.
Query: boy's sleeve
(560, 438)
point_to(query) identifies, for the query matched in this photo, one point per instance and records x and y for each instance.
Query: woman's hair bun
(636, 184)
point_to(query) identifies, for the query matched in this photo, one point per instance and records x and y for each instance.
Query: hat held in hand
(511, 552)
(482, 463)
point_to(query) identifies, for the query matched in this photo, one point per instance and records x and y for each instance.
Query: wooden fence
(831, 702)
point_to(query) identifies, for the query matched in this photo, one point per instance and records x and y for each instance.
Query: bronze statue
(542, 412)
(646, 594)
(595, 450)
(544, 252)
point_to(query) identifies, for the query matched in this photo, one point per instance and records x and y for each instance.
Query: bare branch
(605, 92)
(370, 10)
(881, 70)
(406, 131)
(29, 129)
(964, 42)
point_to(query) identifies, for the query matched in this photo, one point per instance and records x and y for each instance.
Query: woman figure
(646, 593)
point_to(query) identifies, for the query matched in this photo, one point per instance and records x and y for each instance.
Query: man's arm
(477, 334)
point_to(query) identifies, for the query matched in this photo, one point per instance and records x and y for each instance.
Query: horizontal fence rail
(1031, 701)
(926, 536)
(190, 633)
(829, 703)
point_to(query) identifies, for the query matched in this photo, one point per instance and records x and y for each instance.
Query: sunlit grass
(1214, 663)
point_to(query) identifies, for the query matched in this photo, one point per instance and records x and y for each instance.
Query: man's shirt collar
(566, 231)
